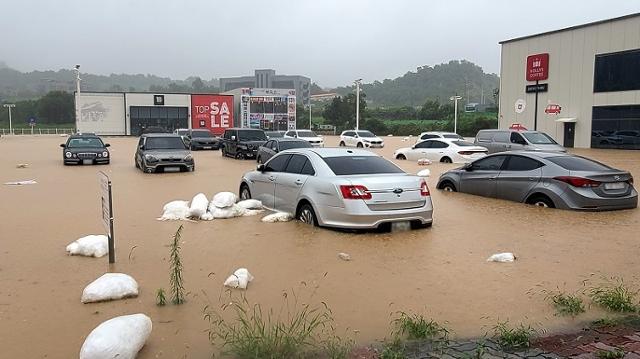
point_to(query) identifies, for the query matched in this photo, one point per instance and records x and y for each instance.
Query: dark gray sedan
(275, 145)
(546, 179)
(85, 149)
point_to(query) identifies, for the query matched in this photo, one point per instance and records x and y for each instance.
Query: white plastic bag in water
(250, 204)
(207, 217)
(120, 337)
(502, 257)
(251, 212)
(239, 279)
(89, 246)
(223, 200)
(424, 173)
(228, 212)
(110, 286)
(424, 162)
(199, 205)
(175, 210)
(277, 217)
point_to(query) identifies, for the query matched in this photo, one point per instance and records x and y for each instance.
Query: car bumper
(374, 145)
(360, 217)
(157, 165)
(321, 144)
(77, 161)
(586, 200)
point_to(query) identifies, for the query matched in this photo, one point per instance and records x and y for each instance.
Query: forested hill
(438, 82)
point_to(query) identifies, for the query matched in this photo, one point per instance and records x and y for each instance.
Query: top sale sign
(537, 67)
(213, 112)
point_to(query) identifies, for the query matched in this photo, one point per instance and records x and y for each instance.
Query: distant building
(324, 97)
(265, 108)
(268, 79)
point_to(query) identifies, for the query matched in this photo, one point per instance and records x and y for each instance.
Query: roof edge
(624, 17)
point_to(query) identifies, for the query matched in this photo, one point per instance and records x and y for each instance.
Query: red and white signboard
(553, 109)
(214, 112)
(538, 67)
(517, 127)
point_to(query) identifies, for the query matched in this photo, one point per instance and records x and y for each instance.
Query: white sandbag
(424, 173)
(344, 256)
(207, 216)
(250, 204)
(251, 212)
(22, 165)
(239, 279)
(228, 212)
(223, 200)
(21, 183)
(110, 286)
(424, 162)
(89, 246)
(199, 205)
(502, 257)
(120, 337)
(277, 217)
(405, 139)
(175, 210)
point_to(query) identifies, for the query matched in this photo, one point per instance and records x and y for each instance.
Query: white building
(589, 82)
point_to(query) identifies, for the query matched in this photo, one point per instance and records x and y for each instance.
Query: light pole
(358, 82)
(455, 111)
(76, 69)
(310, 104)
(9, 106)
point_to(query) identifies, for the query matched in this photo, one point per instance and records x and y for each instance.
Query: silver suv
(163, 151)
(512, 140)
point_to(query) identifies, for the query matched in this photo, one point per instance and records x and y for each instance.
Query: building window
(616, 127)
(618, 71)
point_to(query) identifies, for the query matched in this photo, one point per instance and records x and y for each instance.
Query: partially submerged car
(201, 140)
(242, 143)
(342, 188)
(306, 135)
(85, 149)
(444, 150)
(512, 140)
(164, 151)
(273, 146)
(545, 179)
(360, 138)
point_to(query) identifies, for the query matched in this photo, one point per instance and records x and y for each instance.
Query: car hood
(311, 138)
(167, 153)
(370, 139)
(85, 149)
(549, 148)
(203, 139)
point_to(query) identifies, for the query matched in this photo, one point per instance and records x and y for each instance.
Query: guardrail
(38, 131)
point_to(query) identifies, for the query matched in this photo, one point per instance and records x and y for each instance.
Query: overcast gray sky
(332, 41)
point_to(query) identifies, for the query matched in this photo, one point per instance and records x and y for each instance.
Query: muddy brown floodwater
(440, 272)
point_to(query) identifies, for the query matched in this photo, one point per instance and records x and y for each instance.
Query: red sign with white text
(537, 67)
(213, 112)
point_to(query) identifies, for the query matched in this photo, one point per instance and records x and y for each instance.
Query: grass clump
(614, 296)
(566, 304)
(293, 332)
(336, 347)
(394, 350)
(517, 338)
(610, 354)
(160, 297)
(175, 269)
(416, 327)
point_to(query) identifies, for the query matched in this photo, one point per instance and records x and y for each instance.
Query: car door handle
(272, 178)
(532, 178)
(493, 178)
(298, 182)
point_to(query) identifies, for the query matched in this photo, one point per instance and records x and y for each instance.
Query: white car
(437, 134)
(306, 135)
(442, 150)
(360, 138)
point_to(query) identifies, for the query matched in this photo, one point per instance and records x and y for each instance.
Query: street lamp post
(455, 111)
(76, 69)
(9, 106)
(310, 125)
(358, 82)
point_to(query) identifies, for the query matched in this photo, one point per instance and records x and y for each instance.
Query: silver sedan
(342, 188)
(546, 179)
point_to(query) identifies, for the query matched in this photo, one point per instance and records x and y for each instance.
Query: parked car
(343, 188)
(274, 134)
(182, 132)
(306, 135)
(153, 129)
(360, 139)
(242, 143)
(511, 140)
(546, 179)
(273, 146)
(437, 134)
(164, 151)
(442, 150)
(85, 149)
(201, 140)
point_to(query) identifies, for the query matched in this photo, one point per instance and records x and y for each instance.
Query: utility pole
(358, 82)
(76, 69)
(310, 125)
(455, 111)
(9, 106)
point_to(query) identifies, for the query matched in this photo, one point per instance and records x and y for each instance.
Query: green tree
(430, 110)
(341, 112)
(302, 117)
(56, 107)
(376, 126)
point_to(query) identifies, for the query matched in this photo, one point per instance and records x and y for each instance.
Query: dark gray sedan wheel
(448, 187)
(541, 201)
(245, 193)
(307, 215)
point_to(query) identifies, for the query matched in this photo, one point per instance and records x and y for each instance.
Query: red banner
(214, 112)
(537, 67)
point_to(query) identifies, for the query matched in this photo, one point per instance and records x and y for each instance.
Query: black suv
(201, 139)
(242, 143)
(163, 151)
(85, 149)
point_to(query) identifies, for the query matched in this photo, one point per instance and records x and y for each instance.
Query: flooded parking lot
(441, 272)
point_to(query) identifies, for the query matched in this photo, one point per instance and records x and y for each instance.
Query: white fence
(38, 131)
